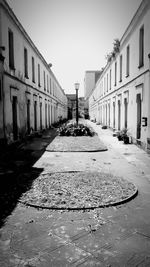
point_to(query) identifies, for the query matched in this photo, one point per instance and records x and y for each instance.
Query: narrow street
(113, 236)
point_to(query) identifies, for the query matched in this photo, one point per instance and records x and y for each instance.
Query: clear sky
(74, 35)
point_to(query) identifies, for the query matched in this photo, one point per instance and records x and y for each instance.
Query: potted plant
(125, 135)
(119, 135)
(104, 127)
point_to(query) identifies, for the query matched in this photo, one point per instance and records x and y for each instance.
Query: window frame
(141, 47)
(120, 68)
(33, 70)
(11, 49)
(128, 61)
(44, 77)
(39, 76)
(26, 63)
(115, 73)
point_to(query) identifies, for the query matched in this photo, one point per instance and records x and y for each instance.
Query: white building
(121, 97)
(31, 98)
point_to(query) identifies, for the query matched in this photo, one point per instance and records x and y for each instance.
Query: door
(125, 113)
(48, 115)
(109, 115)
(28, 116)
(113, 114)
(119, 114)
(41, 116)
(45, 115)
(106, 114)
(51, 114)
(35, 115)
(139, 112)
(14, 118)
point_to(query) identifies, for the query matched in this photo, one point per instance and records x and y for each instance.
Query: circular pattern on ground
(78, 190)
(76, 144)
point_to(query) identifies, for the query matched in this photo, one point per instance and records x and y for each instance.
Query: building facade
(31, 97)
(121, 97)
(90, 79)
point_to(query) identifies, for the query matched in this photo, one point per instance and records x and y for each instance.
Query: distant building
(121, 97)
(71, 105)
(90, 79)
(31, 97)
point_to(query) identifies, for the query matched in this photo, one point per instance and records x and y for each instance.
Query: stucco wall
(138, 81)
(16, 84)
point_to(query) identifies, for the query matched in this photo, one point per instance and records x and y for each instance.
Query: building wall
(108, 93)
(89, 82)
(48, 94)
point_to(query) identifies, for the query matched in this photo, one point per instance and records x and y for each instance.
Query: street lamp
(77, 88)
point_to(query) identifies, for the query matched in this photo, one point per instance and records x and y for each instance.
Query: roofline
(87, 71)
(141, 9)
(9, 10)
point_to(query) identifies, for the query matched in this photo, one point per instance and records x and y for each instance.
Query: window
(47, 84)
(107, 82)
(128, 61)
(11, 49)
(104, 85)
(25, 63)
(115, 73)
(53, 88)
(50, 86)
(110, 80)
(141, 47)
(33, 70)
(121, 68)
(102, 89)
(44, 81)
(39, 75)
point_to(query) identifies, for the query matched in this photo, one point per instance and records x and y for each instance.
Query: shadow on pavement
(17, 172)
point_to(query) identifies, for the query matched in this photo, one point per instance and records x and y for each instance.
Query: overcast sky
(74, 35)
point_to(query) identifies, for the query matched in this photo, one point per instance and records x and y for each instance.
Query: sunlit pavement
(114, 236)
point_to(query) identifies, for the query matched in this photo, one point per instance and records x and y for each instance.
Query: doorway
(119, 114)
(35, 115)
(48, 115)
(109, 114)
(45, 115)
(114, 115)
(14, 117)
(28, 116)
(139, 113)
(41, 116)
(106, 114)
(125, 113)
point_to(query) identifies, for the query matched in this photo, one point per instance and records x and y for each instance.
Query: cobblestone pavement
(114, 236)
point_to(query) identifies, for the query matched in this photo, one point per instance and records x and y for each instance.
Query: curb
(135, 193)
(96, 150)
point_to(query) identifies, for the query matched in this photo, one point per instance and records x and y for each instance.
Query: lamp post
(77, 88)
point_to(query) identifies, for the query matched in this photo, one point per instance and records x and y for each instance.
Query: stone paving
(114, 236)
